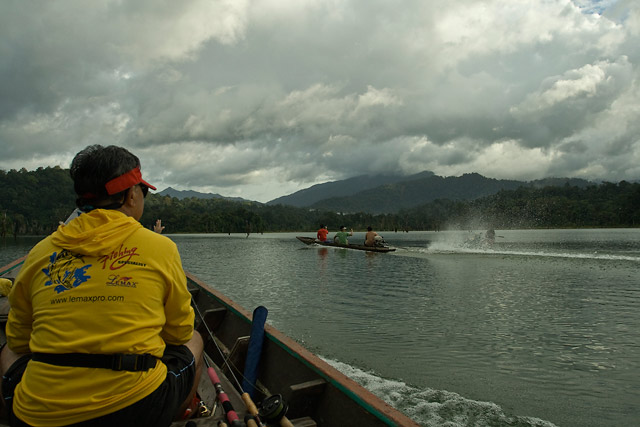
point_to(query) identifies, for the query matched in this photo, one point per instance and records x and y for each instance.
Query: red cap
(127, 180)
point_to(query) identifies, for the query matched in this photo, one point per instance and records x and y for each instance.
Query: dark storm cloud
(260, 98)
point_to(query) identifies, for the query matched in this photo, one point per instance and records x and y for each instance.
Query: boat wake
(434, 408)
(449, 248)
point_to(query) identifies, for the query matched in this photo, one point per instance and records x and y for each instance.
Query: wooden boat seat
(303, 397)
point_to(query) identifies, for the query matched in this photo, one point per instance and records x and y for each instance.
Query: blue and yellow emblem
(66, 270)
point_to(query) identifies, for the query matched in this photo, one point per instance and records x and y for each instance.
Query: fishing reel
(273, 409)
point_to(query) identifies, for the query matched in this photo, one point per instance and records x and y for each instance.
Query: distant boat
(291, 381)
(311, 241)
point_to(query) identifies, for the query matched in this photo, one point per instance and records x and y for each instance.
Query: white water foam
(447, 247)
(433, 408)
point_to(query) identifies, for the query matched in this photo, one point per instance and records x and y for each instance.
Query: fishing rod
(273, 407)
(253, 420)
(230, 413)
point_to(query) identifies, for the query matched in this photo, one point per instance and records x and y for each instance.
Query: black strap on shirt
(116, 362)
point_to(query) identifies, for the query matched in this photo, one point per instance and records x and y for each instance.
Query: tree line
(33, 203)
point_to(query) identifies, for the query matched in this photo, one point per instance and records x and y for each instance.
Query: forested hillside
(343, 189)
(33, 202)
(596, 206)
(390, 193)
(420, 189)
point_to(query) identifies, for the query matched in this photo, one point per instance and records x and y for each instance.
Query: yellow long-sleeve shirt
(101, 284)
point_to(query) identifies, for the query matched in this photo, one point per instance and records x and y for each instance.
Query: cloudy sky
(260, 98)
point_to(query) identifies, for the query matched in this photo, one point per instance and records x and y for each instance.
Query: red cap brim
(148, 185)
(127, 180)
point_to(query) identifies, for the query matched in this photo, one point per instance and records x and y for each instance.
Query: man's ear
(129, 198)
(130, 205)
(129, 202)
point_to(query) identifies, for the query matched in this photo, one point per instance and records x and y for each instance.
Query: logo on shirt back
(123, 281)
(119, 258)
(66, 270)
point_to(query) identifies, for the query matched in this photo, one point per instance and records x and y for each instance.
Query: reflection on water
(541, 325)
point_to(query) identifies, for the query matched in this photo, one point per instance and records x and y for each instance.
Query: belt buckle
(125, 362)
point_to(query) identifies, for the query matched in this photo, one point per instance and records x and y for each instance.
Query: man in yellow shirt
(100, 330)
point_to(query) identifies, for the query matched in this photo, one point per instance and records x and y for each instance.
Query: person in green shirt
(341, 236)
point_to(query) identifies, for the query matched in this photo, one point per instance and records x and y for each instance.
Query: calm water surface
(540, 329)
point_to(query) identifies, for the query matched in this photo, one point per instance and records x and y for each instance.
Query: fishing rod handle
(251, 421)
(284, 422)
(213, 376)
(248, 402)
(232, 416)
(253, 411)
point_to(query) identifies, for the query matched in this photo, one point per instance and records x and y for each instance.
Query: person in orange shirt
(322, 233)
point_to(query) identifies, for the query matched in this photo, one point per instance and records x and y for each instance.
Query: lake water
(542, 328)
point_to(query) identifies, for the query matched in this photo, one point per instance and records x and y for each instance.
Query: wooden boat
(311, 241)
(315, 393)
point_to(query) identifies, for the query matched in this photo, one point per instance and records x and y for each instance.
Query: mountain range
(187, 194)
(392, 193)
(379, 194)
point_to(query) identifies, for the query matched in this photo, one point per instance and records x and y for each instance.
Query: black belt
(116, 362)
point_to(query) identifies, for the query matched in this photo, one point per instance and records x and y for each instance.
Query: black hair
(92, 168)
(369, 228)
